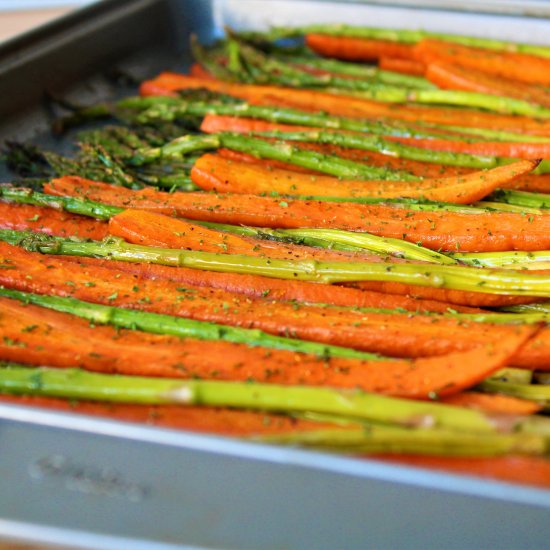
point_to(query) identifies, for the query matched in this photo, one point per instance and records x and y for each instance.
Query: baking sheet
(92, 483)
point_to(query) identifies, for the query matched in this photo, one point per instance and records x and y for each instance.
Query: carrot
(48, 220)
(309, 100)
(213, 124)
(493, 403)
(215, 173)
(36, 336)
(454, 77)
(400, 65)
(533, 355)
(198, 71)
(493, 231)
(461, 297)
(514, 469)
(357, 49)
(402, 335)
(220, 123)
(152, 229)
(512, 149)
(214, 420)
(513, 66)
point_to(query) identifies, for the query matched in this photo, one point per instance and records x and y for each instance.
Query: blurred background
(17, 16)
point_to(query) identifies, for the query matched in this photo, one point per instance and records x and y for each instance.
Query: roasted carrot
(168, 83)
(50, 221)
(357, 49)
(455, 77)
(492, 148)
(401, 335)
(533, 355)
(472, 299)
(215, 173)
(214, 420)
(492, 231)
(493, 403)
(213, 124)
(400, 65)
(153, 229)
(514, 469)
(198, 71)
(513, 66)
(33, 335)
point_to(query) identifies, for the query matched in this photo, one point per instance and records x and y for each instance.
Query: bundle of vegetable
(299, 249)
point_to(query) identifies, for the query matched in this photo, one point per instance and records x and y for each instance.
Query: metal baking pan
(92, 483)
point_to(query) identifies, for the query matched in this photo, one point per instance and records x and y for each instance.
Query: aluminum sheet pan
(94, 483)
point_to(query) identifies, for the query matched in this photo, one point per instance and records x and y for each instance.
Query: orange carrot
(473, 299)
(212, 124)
(398, 65)
(513, 66)
(514, 469)
(402, 335)
(533, 354)
(48, 220)
(492, 231)
(357, 49)
(454, 77)
(169, 83)
(512, 149)
(152, 229)
(215, 173)
(214, 420)
(36, 336)
(493, 403)
(198, 71)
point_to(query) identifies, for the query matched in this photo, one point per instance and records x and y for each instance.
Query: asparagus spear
(521, 198)
(440, 276)
(513, 259)
(504, 207)
(351, 404)
(390, 148)
(340, 240)
(185, 328)
(366, 241)
(395, 439)
(455, 98)
(533, 392)
(539, 307)
(358, 70)
(84, 207)
(329, 164)
(396, 35)
(414, 426)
